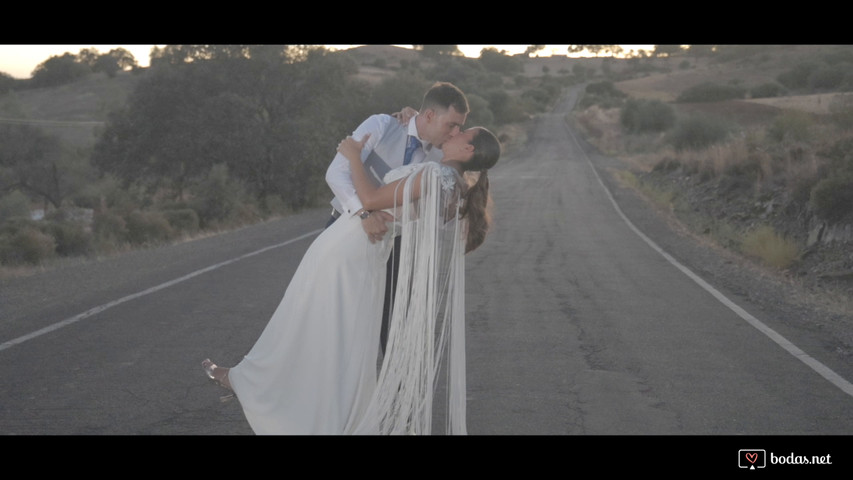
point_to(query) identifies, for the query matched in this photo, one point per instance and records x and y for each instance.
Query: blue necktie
(412, 145)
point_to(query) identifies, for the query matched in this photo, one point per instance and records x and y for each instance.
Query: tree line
(68, 67)
(218, 135)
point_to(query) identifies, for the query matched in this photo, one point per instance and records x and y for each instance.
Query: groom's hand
(375, 226)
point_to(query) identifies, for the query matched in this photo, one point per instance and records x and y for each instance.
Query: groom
(391, 145)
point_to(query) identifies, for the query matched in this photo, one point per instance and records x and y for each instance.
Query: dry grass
(661, 198)
(601, 127)
(771, 248)
(818, 103)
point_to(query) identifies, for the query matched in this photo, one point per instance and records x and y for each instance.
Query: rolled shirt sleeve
(338, 175)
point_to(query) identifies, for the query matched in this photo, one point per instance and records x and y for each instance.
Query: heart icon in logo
(752, 457)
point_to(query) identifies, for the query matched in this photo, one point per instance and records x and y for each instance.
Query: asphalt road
(586, 316)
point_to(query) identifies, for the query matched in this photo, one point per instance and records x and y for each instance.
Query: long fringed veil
(425, 352)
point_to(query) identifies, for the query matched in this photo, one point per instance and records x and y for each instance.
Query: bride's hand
(405, 115)
(351, 148)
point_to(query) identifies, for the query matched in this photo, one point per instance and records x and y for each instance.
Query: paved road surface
(578, 325)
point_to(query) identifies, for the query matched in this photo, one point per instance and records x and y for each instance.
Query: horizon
(19, 61)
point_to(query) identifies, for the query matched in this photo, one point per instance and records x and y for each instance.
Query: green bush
(14, 204)
(506, 108)
(698, 131)
(110, 228)
(217, 197)
(642, 116)
(604, 94)
(604, 89)
(709, 92)
(538, 98)
(791, 126)
(841, 111)
(481, 113)
(797, 76)
(184, 220)
(828, 77)
(766, 90)
(26, 246)
(71, 238)
(666, 165)
(832, 198)
(148, 227)
(840, 159)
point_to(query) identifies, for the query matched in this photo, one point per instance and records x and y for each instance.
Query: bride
(313, 370)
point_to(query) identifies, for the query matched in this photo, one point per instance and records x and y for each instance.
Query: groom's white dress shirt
(383, 152)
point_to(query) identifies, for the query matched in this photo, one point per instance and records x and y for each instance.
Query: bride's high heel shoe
(209, 369)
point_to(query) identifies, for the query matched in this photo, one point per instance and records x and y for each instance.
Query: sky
(19, 61)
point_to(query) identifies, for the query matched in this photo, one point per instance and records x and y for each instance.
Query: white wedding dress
(314, 368)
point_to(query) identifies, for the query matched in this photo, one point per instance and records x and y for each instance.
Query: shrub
(28, 245)
(481, 113)
(148, 227)
(841, 111)
(275, 205)
(832, 198)
(666, 165)
(840, 155)
(506, 108)
(709, 92)
(698, 131)
(217, 197)
(797, 76)
(604, 94)
(827, 77)
(774, 250)
(641, 116)
(536, 98)
(184, 220)
(71, 238)
(766, 90)
(604, 89)
(14, 204)
(110, 228)
(791, 126)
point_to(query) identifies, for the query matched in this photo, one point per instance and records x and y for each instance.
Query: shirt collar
(413, 130)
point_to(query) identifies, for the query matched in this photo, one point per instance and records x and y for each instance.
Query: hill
(76, 113)
(752, 194)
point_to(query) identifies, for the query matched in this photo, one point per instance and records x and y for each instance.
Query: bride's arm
(371, 196)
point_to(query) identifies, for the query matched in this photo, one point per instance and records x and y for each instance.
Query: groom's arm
(339, 176)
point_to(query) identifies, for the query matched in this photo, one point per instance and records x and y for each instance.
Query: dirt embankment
(721, 211)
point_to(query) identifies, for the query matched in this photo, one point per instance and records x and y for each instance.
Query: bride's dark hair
(487, 150)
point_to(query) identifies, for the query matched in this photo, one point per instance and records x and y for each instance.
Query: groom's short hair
(442, 96)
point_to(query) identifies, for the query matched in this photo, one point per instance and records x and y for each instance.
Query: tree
(435, 51)
(500, 62)
(154, 140)
(698, 51)
(597, 50)
(7, 82)
(35, 162)
(58, 70)
(533, 49)
(668, 50)
(253, 109)
(118, 59)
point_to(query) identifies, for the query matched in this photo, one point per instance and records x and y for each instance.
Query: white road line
(101, 308)
(815, 365)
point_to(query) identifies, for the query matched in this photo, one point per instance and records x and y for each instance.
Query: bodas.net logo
(752, 458)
